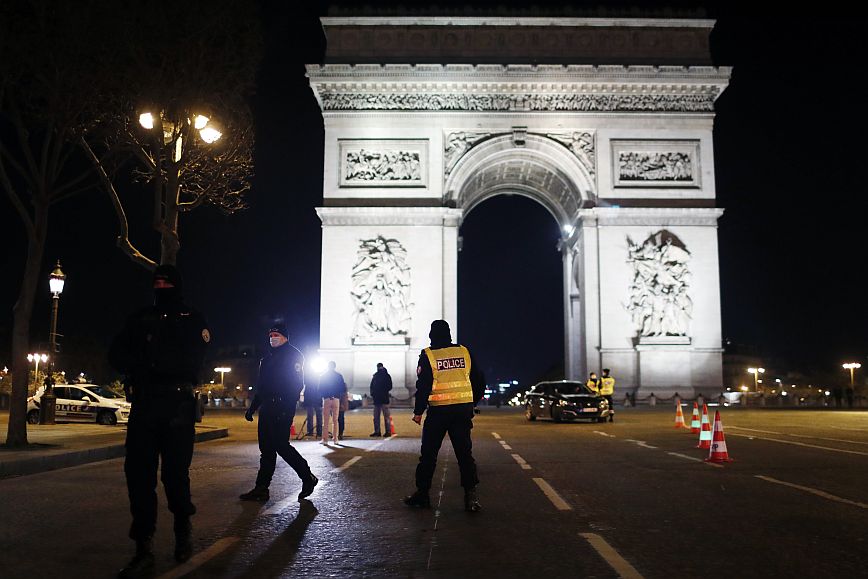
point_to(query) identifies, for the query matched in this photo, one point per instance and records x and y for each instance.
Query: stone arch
(540, 168)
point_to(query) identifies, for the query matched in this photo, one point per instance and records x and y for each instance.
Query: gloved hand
(249, 415)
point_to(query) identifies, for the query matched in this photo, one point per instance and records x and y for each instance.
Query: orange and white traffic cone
(391, 426)
(679, 416)
(718, 451)
(694, 422)
(292, 430)
(705, 430)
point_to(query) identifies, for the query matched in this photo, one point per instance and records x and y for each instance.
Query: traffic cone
(694, 422)
(679, 416)
(705, 430)
(718, 451)
(292, 430)
(391, 425)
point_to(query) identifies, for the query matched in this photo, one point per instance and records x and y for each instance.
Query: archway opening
(510, 290)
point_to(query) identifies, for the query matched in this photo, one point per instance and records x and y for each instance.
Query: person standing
(593, 383)
(313, 405)
(607, 390)
(160, 352)
(345, 406)
(449, 384)
(281, 380)
(331, 388)
(381, 384)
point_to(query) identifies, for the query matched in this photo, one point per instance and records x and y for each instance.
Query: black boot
(471, 501)
(307, 487)
(183, 539)
(142, 562)
(419, 499)
(257, 494)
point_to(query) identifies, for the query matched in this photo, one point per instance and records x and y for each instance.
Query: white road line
(348, 464)
(502, 442)
(495, 435)
(604, 434)
(612, 557)
(200, 558)
(507, 447)
(817, 492)
(829, 448)
(756, 430)
(641, 443)
(521, 462)
(845, 428)
(695, 459)
(829, 439)
(559, 503)
(279, 506)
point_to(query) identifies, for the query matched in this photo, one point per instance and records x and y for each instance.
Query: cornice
(650, 216)
(516, 21)
(417, 216)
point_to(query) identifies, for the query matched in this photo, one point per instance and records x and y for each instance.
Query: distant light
(850, 365)
(515, 382)
(778, 380)
(487, 396)
(744, 388)
(827, 392)
(568, 230)
(146, 120)
(222, 369)
(250, 387)
(357, 396)
(210, 134)
(238, 387)
(783, 392)
(318, 365)
(199, 122)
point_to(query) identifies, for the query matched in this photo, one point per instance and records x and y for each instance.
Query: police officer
(449, 384)
(281, 380)
(607, 389)
(593, 383)
(160, 351)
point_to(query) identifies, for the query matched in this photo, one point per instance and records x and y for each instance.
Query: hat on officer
(280, 328)
(169, 274)
(440, 332)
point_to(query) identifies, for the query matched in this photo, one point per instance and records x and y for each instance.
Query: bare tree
(177, 120)
(46, 97)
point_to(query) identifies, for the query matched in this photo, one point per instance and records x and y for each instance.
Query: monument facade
(606, 123)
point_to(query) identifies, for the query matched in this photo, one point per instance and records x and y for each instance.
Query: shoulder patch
(418, 370)
(206, 335)
(298, 366)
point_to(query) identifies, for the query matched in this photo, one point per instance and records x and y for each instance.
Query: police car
(83, 403)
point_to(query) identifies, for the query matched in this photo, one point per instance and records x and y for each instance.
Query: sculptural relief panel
(656, 163)
(381, 290)
(383, 163)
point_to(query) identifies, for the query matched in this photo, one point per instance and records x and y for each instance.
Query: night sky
(789, 148)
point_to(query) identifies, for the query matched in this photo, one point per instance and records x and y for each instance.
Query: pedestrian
(449, 384)
(381, 384)
(345, 406)
(331, 388)
(160, 352)
(313, 405)
(607, 390)
(281, 380)
(593, 383)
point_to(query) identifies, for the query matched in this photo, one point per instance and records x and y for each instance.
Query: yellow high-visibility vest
(607, 387)
(593, 385)
(451, 369)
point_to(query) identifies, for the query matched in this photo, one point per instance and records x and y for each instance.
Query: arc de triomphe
(605, 122)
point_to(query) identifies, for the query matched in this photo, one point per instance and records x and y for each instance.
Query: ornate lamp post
(48, 404)
(36, 359)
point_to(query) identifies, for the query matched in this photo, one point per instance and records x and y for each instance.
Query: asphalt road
(631, 498)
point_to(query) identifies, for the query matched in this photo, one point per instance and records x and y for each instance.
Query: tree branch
(16, 201)
(191, 205)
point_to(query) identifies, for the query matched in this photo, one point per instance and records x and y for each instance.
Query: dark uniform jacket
(425, 380)
(381, 384)
(281, 379)
(332, 385)
(160, 349)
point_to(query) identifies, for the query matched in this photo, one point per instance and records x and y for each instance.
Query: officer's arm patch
(298, 366)
(418, 370)
(206, 335)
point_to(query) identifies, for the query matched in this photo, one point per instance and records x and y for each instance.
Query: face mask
(275, 342)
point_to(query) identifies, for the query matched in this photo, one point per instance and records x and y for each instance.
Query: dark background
(790, 150)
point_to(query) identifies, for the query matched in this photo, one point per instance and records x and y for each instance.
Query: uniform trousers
(457, 421)
(275, 424)
(160, 429)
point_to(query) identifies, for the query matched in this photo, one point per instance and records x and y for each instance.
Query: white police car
(82, 403)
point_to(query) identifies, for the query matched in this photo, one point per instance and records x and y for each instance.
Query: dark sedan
(565, 400)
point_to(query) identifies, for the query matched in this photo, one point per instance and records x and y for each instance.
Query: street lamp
(222, 371)
(36, 359)
(756, 372)
(851, 366)
(56, 281)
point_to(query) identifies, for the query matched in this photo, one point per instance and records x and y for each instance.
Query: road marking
(521, 462)
(817, 492)
(348, 464)
(845, 428)
(200, 558)
(641, 443)
(829, 439)
(495, 435)
(612, 557)
(604, 434)
(378, 445)
(756, 430)
(559, 503)
(829, 448)
(507, 447)
(437, 515)
(695, 459)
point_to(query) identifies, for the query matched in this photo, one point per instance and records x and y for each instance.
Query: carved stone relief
(581, 143)
(659, 302)
(381, 289)
(457, 144)
(383, 163)
(656, 163)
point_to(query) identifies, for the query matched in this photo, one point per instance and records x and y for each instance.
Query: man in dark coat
(313, 406)
(381, 384)
(332, 388)
(281, 380)
(449, 384)
(160, 352)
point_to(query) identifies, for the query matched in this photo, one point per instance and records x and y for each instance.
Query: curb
(37, 464)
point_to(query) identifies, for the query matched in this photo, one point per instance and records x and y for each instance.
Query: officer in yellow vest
(607, 389)
(593, 383)
(449, 385)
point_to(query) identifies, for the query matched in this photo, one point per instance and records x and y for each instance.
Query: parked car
(565, 400)
(82, 403)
